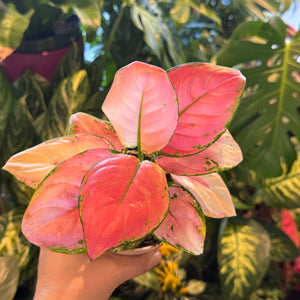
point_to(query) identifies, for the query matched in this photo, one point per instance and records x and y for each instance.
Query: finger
(136, 265)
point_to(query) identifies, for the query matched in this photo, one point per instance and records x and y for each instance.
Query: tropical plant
(191, 105)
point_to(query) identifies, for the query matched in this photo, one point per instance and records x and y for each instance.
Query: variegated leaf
(225, 153)
(142, 107)
(124, 199)
(84, 123)
(184, 225)
(243, 256)
(207, 95)
(211, 193)
(52, 219)
(67, 99)
(32, 165)
(283, 191)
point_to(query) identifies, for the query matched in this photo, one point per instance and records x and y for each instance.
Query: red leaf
(208, 96)
(52, 217)
(84, 123)
(223, 154)
(184, 224)
(142, 107)
(121, 200)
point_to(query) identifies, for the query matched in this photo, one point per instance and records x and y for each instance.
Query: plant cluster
(103, 189)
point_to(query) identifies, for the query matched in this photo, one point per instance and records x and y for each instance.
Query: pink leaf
(211, 193)
(84, 123)
(52, 217)
(183, 226)
(32, 165)
(142, 107)
(208, 96)
(223, 154)
(121, 200)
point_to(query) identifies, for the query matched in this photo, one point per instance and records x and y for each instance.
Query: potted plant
(151, 170)
(37, 35)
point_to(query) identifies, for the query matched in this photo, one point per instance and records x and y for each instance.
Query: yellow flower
(166, 250)
(167, 277)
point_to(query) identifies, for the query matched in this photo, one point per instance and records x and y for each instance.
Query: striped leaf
(67, 99)
(283, 191)
(17, 131)
(243, 255)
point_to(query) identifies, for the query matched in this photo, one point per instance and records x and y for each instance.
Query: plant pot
(43, 55)
(139, 251)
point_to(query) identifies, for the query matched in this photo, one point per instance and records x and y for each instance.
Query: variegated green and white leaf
(68, 99)
(195, 287)
(243, 255)
(283, 191)
(17, 131)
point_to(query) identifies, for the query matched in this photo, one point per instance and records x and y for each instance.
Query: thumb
(136, 265)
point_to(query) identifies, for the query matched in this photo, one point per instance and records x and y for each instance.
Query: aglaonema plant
(152, 169)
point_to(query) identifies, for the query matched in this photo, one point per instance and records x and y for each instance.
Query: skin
(72, 277)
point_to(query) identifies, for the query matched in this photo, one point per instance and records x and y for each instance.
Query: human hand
(74, 277)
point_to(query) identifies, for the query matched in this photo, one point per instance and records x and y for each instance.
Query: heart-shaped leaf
(184, 225)
(208, 96)
(223, 154)
(84, 123)
(32, 165)
(52, 218)
(121, 200)
(142, 107)
(211, 193)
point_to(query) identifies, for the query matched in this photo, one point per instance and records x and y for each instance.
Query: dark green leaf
(13, 25)
(157, 36)
(268, 114)
(68, 99)
(17, 131)
(31, 88)
(282, 247)
(243, 256)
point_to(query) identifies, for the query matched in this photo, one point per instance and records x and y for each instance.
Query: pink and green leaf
(32, 165)
(207, 95)
(121, 200)
(142, 107)
(85, 123)
(52, 218)
(211, 193)
(223, 154)
(184, 225)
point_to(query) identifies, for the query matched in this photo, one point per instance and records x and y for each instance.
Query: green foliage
(283, 191)
(269, 108)
(244, 252)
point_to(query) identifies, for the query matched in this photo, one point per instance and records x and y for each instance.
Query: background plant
(246, 257)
